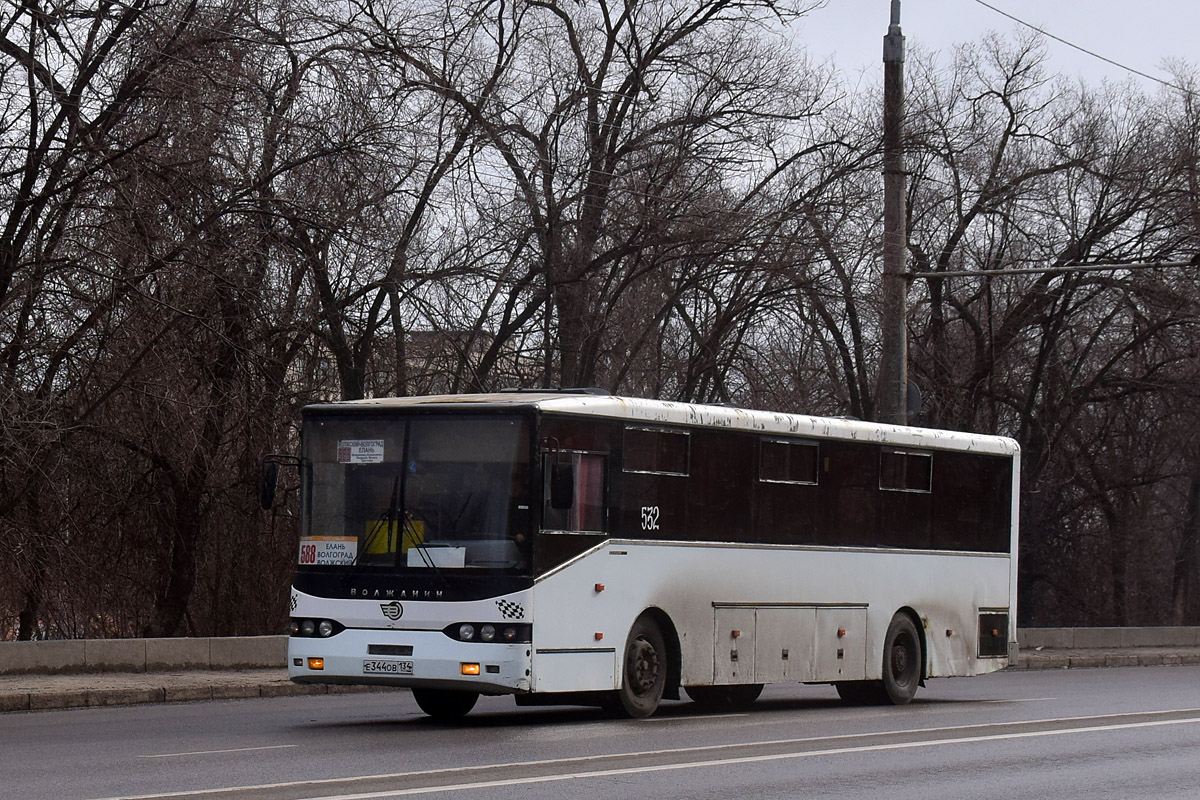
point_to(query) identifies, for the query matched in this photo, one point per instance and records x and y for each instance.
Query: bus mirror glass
(270, 477)
(562, 486)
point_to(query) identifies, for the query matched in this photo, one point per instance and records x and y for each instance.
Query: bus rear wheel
(724, 698)
(644, 677)
(902, 659)
(445, 705)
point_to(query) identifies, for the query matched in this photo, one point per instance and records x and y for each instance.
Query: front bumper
(437, 661)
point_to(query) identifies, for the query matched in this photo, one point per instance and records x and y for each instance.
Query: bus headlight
(323, 628)
(489, 632)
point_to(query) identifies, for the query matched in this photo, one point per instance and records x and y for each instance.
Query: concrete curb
(1088, 658)
(115, 689)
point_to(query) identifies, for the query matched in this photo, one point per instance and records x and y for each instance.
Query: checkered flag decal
(510, 610)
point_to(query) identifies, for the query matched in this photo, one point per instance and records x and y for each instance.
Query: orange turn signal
(470, 669)
(316, 663)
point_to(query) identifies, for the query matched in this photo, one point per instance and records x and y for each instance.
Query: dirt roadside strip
(35, 692)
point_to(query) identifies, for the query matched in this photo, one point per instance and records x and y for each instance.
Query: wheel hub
(643, 667)
(900, 659)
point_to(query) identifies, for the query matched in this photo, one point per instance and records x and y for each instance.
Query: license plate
(387, 667)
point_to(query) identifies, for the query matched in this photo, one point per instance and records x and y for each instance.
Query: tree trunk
(1187, 562)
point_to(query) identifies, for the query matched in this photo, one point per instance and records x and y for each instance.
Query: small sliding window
(787, 462)
(905, 471)
(656, 451)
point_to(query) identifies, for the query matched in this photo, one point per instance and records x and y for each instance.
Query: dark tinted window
(787, 462)
(905, 471)
(972, 502)
(849, 494)
(648, 450)
(720, 488)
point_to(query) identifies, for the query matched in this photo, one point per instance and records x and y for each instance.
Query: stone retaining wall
(142, 655)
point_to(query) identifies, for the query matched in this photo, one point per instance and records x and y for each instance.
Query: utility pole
(892, 390)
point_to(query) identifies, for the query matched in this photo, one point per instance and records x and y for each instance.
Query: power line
(1084, 50)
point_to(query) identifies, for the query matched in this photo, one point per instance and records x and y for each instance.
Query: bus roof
(666, 412)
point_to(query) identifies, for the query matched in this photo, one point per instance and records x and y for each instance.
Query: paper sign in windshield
(360, 451)
(328, 551)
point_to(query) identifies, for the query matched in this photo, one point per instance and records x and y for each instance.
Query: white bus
(576, 547)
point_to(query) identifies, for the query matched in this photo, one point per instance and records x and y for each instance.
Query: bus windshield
(415, 493)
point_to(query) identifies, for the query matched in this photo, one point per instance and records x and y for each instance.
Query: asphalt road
(1105, 733)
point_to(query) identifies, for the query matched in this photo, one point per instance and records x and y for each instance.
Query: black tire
(902, 658)
(644, 677)
(445, 705)
(724, 698)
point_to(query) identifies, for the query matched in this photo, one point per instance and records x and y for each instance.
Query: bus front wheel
(445, 705)
(644, 675)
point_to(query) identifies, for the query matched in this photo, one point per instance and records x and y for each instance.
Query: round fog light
(294, 627)
(325, 628)
(466, 632)
(307, 627)
(509, 634)
(487, 633)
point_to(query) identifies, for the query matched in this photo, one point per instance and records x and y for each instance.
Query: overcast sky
(1137, 33)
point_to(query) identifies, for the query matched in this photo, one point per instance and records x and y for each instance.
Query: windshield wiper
(385, 521)
(415, 542)
(398, 512)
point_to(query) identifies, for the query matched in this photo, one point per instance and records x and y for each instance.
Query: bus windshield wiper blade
(385, 521)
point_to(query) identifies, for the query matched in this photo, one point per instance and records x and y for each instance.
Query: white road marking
(1022, 700)
(214, 752)
(678, 751)
(698, 716)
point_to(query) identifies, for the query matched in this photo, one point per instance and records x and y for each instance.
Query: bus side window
(578, 506)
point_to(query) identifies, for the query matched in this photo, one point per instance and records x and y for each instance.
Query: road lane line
(1022, 700)
(214, 752)
(725, 762)
(644, 753)
(698, 716)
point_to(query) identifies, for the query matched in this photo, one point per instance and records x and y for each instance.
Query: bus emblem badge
(392, 610)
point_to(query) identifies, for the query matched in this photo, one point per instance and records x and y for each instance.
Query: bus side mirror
(270, 477)
(562, 486)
